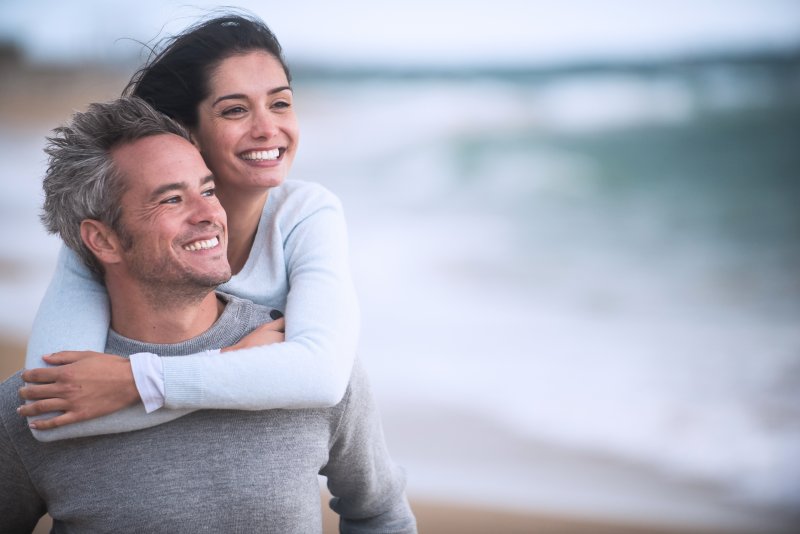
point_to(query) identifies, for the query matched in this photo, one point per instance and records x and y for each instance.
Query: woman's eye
(236, 110)
(282, 104)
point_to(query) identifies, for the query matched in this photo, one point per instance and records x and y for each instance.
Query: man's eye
(210, 192)
(171, 200)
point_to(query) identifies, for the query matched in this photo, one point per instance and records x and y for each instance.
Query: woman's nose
(263, 125)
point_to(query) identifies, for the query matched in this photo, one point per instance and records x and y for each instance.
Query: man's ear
(102, 241)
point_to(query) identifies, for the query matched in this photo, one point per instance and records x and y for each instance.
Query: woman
(226, 81)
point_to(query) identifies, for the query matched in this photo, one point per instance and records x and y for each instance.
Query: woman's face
(247, 130)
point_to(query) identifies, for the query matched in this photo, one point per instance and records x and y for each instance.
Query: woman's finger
(41, 391)
(53, 422)
(40, 375)
(278, 325)
(42, 406)
(67, 356)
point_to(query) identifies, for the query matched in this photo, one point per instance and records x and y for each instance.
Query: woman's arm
(75, 314)
(312, 368)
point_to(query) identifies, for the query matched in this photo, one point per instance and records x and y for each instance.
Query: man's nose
(204, 209)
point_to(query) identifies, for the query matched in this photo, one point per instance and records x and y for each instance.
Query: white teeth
(262, 155)
(202, 245)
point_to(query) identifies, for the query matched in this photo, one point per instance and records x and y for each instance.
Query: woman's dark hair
(175, 78)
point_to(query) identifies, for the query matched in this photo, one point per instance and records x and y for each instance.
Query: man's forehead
(151, 162)
(149, 144)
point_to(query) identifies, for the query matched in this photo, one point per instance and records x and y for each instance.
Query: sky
(421, 32)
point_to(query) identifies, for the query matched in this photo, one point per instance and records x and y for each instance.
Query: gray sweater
(210, 471)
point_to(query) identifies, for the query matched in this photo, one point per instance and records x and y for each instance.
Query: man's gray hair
(82, 181)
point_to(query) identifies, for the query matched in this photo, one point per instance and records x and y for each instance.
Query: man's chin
(209, 282)
(191, 287)
(207, 278)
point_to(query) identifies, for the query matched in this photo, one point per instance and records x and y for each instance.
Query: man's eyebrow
(237, 96)
(179, 186)
(160, 190)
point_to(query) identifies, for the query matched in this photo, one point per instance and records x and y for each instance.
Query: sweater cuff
(148, 375)
(183, 382)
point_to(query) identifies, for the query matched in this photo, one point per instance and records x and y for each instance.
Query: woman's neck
(244, 213)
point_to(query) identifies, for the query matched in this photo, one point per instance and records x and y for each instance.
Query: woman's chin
(258, 181)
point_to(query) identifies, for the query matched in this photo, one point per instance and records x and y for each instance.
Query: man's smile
(202, 244)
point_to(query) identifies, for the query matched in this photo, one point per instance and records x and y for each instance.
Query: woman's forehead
(258, 69)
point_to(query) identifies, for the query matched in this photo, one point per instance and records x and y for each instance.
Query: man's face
(173, 227)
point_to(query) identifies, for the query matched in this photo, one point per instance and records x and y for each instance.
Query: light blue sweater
(298, 264)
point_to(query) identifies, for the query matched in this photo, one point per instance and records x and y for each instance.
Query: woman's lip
(262, 154)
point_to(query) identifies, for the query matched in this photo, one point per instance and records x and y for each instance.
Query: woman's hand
(84, 385)
(266, 334)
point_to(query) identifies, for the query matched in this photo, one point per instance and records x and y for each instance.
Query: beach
(460, 516)
(435, 517)
(548, 375)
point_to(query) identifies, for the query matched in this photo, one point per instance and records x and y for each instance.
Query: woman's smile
(262, 155)
(247, 129)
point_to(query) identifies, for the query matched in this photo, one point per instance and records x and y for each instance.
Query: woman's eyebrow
(279, 89)
(237, 96)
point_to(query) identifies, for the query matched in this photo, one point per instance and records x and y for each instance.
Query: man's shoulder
(248, 311)
(9, 395)
(358, 394)
(11, 385)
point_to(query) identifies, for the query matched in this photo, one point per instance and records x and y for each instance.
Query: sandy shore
(12, 357)
(437, 518)
(442, 518)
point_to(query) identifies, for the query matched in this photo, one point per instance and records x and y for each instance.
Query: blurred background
(574, 232)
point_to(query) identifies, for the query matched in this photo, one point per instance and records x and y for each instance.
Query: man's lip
(196, 239)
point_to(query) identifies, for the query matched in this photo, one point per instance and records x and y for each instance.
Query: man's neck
(138, 316)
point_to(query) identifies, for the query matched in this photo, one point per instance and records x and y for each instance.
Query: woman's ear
(193, 139)
(102, 241)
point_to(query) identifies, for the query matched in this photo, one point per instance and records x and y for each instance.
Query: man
(161, 256)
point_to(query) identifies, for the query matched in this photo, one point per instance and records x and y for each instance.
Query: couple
(160, 248)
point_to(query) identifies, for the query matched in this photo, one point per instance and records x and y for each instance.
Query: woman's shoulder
(299, 197)
(298, 190)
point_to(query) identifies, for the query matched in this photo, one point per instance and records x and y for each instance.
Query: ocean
(602, 262)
